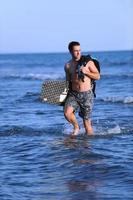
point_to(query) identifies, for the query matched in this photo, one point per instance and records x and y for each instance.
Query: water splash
(107, 128)
(114, 130)
(99, 130)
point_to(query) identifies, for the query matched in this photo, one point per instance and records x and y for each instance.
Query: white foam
(128, 99)
(114, 130)
(117, 99)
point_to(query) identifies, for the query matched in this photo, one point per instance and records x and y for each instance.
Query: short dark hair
(71, 44)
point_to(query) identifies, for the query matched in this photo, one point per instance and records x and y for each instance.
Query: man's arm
(91, 71)
(68, 78)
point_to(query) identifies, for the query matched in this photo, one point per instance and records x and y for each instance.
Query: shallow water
(39, 159)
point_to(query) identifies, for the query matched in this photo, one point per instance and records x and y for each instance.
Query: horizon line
(52, 52)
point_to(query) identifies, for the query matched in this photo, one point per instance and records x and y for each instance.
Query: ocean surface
(38, 159)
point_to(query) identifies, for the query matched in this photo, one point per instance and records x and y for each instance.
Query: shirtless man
(81, 95)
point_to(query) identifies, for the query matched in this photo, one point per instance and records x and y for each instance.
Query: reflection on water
(75, 142)
(85, 161)
(82, 189)
(77, 186)
(82, 184)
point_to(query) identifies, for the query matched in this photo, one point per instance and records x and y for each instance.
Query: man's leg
(70, 116)
(85, 111)
(88, 126)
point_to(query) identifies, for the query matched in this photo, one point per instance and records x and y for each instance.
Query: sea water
(38, 159)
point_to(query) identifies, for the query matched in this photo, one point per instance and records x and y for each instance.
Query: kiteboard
(54, 92)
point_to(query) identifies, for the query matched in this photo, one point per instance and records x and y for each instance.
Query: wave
(32, 76)
(56, 76)
(117, 99)
(118, 63)
(117, 59)
(29, 97)
(121, 75)
(28, 131)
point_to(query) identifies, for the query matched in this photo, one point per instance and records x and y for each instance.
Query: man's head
(74, 48)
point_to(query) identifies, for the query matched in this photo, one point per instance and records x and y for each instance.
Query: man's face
(76, 52)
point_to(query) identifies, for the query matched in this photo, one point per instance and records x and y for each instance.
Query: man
(80, 95)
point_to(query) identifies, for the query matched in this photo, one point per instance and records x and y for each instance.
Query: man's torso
(77, 84)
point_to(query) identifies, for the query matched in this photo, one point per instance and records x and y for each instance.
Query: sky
(37, 26)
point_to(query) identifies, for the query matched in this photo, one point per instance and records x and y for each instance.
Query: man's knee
(68, 112)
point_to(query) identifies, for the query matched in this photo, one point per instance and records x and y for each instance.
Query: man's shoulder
(68, 64)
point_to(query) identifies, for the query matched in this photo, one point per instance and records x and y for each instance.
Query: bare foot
(89, 134)
(75, 131)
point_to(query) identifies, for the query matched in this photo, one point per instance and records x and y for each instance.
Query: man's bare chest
(73, 71)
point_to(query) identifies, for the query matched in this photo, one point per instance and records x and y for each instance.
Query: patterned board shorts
(82, 101)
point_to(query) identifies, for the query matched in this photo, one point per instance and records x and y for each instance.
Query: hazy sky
(49, 25)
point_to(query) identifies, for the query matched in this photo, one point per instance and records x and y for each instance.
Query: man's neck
(75, 59)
